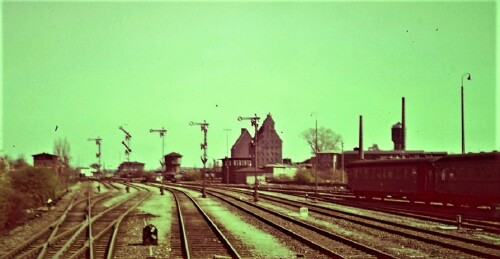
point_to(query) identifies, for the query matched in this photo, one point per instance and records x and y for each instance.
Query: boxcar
(411, 178)
(472, 179)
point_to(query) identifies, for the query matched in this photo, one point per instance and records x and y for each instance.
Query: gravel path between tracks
(429, 225)
(260, 244)
(397, 246)
(157, 210)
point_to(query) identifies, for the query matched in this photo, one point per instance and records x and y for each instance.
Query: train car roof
(471, 156)
(396, 161)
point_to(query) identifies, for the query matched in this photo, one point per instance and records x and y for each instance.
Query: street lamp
(462, 106)
(204, 128)
(316, 154)
(255, 123)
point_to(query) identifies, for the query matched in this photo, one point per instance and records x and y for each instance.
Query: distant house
(130, 169)
(46, 160)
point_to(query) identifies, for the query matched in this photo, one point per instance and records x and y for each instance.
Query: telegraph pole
(255, 122)
(126, 143)
(227, 140)
(162, 132)
(204, 128)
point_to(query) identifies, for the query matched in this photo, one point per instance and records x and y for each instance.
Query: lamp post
(315, 153)
(342, 143)
(255, 122)
(204, 128)
(462, 106)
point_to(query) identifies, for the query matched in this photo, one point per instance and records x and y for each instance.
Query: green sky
(90, 67)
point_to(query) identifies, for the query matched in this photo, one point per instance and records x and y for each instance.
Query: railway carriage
(398, 178)
(472, 179)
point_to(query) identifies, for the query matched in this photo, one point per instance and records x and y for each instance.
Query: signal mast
(126, 143)
(98, 154)
(162, 132)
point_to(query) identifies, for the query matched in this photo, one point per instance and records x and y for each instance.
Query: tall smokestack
(361, 154)
(403, 146)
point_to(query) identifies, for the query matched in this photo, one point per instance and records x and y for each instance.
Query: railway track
(483, 220)
(439, 216)
(325, 242)
(194, 234)
(465, 245)
(67, 222)
(74, 234)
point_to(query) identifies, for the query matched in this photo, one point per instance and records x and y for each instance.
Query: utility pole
(126, 143)
(227, 140)
(204, 128)
(316, 154)
(255, 122)
(162, 132)
(342, 144)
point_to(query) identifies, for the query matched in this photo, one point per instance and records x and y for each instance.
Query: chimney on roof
(361, 154)
(403, 145)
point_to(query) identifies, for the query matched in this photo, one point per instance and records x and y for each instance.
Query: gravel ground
(393, 244)
(156, 210)
(254, 242)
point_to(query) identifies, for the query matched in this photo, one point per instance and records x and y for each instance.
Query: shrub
(192, 175)
(40, 184)
(304, 176)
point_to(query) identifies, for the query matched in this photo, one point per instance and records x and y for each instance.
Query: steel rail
(419, 238)
(232, 251)
(331, 235)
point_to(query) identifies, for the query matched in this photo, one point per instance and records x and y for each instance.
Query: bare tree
(61, 149)
(327, 139)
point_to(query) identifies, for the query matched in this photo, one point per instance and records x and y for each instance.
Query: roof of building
(132, 163)
(249, 170)
(44, 155)
(244, 136)
(277, 165)
(174, 154)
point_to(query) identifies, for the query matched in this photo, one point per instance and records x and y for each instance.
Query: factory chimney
(360, 148)
(403, 145)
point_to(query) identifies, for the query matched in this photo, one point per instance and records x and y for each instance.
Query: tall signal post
(255, 122)
(98, 155)
(204, 127)
(126, 143)
(162, 132)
